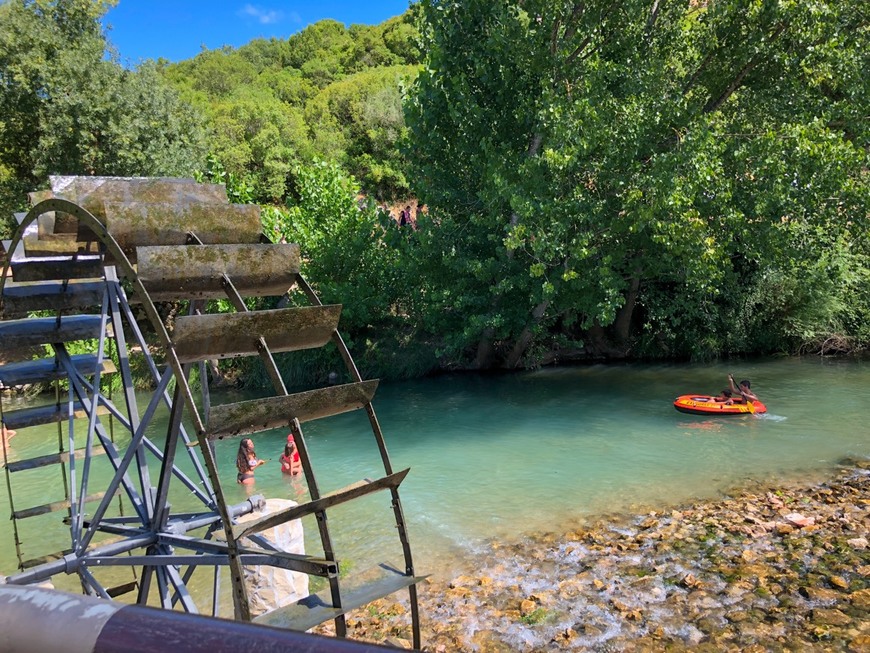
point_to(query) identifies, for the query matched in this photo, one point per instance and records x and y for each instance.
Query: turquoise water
(500, 456)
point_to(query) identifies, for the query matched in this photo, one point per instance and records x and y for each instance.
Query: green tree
(344, 248)
(358, 122)
(319, 51)
(353, 254)
(68, 108)
(622, 173)
(347, 84)
(394, 42)
(257, 136)
(215, 73)
(288, 85)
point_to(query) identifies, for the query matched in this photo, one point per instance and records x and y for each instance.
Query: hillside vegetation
(601, 180)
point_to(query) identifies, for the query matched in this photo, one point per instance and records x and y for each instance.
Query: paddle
(749, 405)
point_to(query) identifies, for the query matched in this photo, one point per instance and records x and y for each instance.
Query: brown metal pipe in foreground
(36, 619)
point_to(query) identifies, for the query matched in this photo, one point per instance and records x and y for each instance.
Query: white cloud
(262, 16)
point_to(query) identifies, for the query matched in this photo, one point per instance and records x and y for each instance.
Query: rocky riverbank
(782, 568)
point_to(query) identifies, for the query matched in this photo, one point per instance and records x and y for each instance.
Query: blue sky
(178, 29)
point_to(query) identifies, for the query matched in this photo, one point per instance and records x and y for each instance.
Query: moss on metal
(229, 335)
(195, 272)
(231, 420)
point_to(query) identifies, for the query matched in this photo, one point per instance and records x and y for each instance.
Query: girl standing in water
(290, 462)
(247, 462)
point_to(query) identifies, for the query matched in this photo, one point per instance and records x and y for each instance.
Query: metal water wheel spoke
(88, 251)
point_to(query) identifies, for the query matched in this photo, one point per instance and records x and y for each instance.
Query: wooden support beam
(120, 590)
(91, 193)
(136, 223)
(22, 298)
(50, 414)
(41, 560)
(51, 459)
(52, 506)
(35, 247)
(46, 268)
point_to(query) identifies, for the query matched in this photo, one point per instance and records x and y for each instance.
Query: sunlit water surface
(500, 456)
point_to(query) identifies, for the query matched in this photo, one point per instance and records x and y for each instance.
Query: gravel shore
(783, 568)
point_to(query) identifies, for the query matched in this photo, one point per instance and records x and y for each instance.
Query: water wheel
(95, 258)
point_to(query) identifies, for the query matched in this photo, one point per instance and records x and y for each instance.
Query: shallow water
(498, 456)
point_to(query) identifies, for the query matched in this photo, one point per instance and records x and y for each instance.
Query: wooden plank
(196, 271)
(376, 583)
(30, 332)
(92, 192)
(53, 506)
(22, 298)
(48, 414)
(120, 590)
(228, 335)
(138, 224)
(38, 247)
(244, 417)
(48, 369)
(354, 491)
(46, 268)
(51, 459)
(41, 560)
(58, 555)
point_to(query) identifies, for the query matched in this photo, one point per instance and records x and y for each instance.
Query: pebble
(746, 573)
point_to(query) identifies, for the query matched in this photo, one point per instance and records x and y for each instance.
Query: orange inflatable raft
(704, 405)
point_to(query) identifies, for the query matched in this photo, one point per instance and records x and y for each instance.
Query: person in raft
(290, 462)
(247, 462)
(724, 397)
(746, 395)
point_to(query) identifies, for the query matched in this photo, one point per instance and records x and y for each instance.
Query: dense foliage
(655, 177)
(67, 108)
(327, 93)
(645, 178)
(355, 254)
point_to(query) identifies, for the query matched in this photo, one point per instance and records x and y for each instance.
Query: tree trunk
(483, 360)
(622, 324)
(525, 338)
(485, 349)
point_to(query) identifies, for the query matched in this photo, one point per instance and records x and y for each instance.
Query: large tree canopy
(67, 108)
(650, 172)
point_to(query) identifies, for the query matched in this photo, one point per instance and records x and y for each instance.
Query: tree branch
(579, 49)
(576, 13)
(713, 105)
(697, 73)
(653, 16)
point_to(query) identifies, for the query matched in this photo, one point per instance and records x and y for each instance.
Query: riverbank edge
(781, 566)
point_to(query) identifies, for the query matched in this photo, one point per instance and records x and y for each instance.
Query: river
(497, 456)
